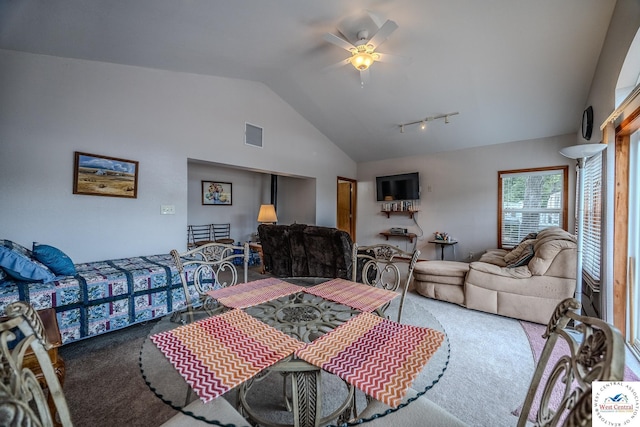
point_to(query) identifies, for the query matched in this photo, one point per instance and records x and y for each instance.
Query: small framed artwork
(97, 175)
(216, 193)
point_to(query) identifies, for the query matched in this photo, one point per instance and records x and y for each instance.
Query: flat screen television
(405, 186)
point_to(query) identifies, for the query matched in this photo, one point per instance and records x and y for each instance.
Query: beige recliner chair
(525, 283)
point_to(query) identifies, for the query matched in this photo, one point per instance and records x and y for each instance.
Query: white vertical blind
(592, 221)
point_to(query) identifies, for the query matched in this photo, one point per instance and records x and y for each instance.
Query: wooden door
(346, 203)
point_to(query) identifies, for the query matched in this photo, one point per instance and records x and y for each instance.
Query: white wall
(463, 196)
(296, 198)
(241, 214)
(51, 107)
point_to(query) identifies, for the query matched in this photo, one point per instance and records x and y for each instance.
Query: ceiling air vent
(253, 135)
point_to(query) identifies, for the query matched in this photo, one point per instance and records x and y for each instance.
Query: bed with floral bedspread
(102, 296)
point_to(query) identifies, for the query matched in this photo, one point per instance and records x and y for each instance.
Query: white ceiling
(513, 69)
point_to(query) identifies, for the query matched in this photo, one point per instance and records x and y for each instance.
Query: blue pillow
(21, 267)
(55, 259)
(16, 247)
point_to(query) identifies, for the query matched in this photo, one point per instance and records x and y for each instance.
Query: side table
(52, 332)
(255, 246)
(443, 244)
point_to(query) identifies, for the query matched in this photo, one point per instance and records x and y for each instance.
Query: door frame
(353, 199)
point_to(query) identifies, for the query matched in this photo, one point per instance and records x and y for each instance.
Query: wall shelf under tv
(410, 213)
(409, 236)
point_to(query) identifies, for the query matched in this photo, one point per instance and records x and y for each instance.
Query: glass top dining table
(292, 391)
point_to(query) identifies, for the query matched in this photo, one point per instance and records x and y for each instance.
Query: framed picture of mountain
(98, 175)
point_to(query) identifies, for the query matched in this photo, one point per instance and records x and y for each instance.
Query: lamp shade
(582, 150)
(267, 214)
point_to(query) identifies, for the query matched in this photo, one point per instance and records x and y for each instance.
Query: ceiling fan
(363, 53)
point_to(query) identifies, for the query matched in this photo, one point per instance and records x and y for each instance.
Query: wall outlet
(167, 209)
(471, 255)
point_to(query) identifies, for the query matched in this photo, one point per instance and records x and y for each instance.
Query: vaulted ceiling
(513, 69)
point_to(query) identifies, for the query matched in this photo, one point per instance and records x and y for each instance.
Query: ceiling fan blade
(364, 77)
(383, 33)
(332, 38)
(393, 59)
(337, 64)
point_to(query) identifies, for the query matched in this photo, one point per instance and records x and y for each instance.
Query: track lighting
(423, 122)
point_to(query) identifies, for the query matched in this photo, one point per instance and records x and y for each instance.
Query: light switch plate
(167, 209)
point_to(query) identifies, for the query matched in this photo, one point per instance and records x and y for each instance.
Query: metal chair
(377, 265)
(22, 400)
(199, 235)
(222, 233)
(596, 353)
(209, 266)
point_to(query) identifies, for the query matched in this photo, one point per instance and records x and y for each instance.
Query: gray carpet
(490, 365)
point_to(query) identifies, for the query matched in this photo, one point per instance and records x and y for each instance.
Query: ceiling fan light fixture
(362, 60)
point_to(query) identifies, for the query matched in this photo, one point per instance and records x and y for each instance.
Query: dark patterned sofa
(101, 296)
(300, 250)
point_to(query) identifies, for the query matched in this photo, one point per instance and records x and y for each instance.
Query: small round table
(291, 392)
(443, 244)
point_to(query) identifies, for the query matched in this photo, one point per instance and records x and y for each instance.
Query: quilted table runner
(253, 293)
(218, 353)
(356, 295)
(379, 356)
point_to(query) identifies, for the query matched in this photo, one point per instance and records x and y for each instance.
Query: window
(592, 221)
(530, 200)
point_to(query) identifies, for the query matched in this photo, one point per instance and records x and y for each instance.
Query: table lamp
(581, 153)
(267, 214)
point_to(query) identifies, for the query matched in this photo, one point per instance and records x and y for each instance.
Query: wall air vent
(253, 135)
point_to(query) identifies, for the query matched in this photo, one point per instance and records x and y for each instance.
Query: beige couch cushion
(518, 251)
(441, 268)
(495, 257)
(549, 245)
(445, 280)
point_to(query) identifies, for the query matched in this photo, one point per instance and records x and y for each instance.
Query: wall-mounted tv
(405, 186)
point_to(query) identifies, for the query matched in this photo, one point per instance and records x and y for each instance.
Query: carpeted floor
(488, 371)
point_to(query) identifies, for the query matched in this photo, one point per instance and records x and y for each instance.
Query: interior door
(346, 203)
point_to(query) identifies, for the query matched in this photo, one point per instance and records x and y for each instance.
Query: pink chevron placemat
(253, 293)
(356, 295)
(220, 352)
(379, 356)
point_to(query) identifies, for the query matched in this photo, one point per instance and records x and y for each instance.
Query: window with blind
(531, 200)
(592, 221)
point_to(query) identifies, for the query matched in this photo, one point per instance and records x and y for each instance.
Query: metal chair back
(199, 234)
(596, 353)
(209, 266)
(378, 266)
(22, 400)
(222, 233)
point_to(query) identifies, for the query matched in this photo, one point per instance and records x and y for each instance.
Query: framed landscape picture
(105, 176)
(216, 193)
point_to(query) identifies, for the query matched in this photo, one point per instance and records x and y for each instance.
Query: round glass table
(292, 391)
